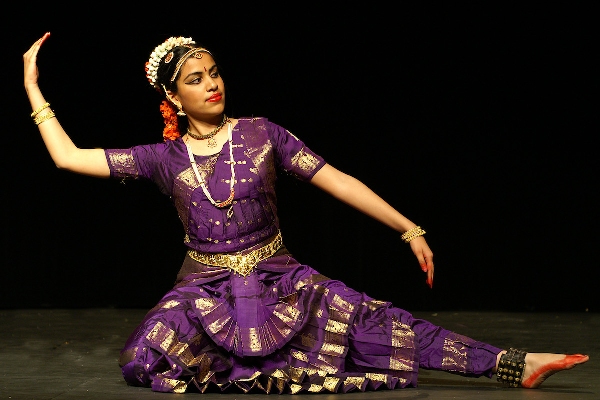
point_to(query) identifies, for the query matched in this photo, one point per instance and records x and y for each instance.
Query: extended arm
(62, 150)
(357, 195)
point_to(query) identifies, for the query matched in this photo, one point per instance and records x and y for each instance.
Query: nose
(212, 84)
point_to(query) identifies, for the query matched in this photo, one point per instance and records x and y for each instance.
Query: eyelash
(213, 75)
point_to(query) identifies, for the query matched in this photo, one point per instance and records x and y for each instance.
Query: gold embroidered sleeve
(122, 164)
(305, 161)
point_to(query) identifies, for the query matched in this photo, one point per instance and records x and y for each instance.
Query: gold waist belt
(242, 264)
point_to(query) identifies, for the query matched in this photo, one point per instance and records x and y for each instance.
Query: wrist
(31, 86)
(412, 234)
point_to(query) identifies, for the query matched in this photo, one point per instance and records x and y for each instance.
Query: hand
(30, 62)
(425, 256)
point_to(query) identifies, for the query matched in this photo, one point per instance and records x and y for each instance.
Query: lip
(215, 98)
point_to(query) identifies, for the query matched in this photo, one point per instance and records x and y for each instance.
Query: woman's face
(201, 91)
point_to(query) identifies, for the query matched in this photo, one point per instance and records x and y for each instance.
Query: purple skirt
(286, 328)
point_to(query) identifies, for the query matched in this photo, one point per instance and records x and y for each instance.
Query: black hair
(165, 70)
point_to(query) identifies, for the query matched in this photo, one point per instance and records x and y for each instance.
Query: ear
(172, 97)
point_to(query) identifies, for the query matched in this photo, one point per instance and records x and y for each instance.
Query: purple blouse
(260, 148)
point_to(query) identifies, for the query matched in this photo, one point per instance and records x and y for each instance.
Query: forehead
(194, 64)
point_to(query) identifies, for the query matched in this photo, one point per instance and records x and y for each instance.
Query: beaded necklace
(229, 201)
(211, 142)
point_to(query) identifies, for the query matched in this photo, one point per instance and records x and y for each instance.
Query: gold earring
(181, 113)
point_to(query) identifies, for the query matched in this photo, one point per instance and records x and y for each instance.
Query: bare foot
(539, 366)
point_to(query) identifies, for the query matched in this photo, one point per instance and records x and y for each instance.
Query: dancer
(244, 313)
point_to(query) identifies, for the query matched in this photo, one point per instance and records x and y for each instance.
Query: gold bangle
(39, 119)
(43, 107)
(412, 233)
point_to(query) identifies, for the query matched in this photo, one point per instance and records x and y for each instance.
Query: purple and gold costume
(283, 327)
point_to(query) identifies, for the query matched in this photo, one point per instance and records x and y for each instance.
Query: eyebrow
(211, 69)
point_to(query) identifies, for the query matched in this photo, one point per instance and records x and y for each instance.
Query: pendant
(211, 143)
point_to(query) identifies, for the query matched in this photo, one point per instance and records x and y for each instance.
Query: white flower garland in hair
(159, 52)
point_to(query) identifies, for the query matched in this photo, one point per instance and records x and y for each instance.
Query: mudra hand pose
(244, 313)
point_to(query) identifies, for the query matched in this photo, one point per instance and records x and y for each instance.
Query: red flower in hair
(171, 130)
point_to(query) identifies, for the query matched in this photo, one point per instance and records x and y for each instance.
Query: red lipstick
(215, 98)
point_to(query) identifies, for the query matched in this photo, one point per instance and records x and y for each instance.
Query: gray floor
(72, 354)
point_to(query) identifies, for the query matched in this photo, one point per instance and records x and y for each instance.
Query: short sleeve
(292, 155)
(135, 162)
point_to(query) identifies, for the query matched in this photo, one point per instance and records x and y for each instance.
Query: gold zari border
(242, 264)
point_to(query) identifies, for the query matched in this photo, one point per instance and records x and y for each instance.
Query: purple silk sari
(284, 328)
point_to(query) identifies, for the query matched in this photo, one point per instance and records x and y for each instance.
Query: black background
(477, 120)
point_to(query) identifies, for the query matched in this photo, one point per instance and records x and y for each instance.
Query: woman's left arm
(356, 194)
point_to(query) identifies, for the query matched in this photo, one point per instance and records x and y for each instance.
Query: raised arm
(357, 195)
(64, 153)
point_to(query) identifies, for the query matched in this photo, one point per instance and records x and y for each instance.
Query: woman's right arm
(64, 153)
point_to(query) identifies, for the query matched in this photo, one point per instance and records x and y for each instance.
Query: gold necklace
(229, 201)
(211, 142)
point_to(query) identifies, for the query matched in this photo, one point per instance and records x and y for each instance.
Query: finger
(38, 43)
(430, 270)
(46, 36)
(430, 278)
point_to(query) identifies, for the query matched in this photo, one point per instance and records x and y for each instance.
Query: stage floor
(72, 354)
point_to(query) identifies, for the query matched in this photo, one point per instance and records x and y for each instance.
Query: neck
(204, 128)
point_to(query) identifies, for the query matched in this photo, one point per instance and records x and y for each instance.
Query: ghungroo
(511, 367)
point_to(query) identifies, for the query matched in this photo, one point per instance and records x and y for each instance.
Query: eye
(214, 74)
(194, 81)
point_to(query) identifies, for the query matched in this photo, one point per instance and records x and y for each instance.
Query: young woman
(244, 313)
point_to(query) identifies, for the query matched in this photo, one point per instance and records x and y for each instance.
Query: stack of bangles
(38, 119)
(412, 233)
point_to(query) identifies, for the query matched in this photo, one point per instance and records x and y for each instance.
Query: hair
(165, 70)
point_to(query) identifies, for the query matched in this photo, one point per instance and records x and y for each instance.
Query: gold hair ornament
(195, 52)
(159, 52)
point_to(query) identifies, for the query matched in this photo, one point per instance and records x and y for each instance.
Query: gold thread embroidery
(354, 380)
(123, 163)
(296, 374)
(402, 335)
(331, 383)
(342, 304)
(161, 335)
(377, 377)
(399, 365)
(338, 315)
(176, 386)
(255, 343)
(170, 304)
(374, 304)
(336, 327)
(333, 349)
(218, 325)
(299, 355)
(315, 388)
(295, 388)
(305, 161)
(455, 353)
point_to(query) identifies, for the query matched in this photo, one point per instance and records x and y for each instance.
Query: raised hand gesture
(30, 62)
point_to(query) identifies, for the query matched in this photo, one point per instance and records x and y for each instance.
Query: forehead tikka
(195, 52)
